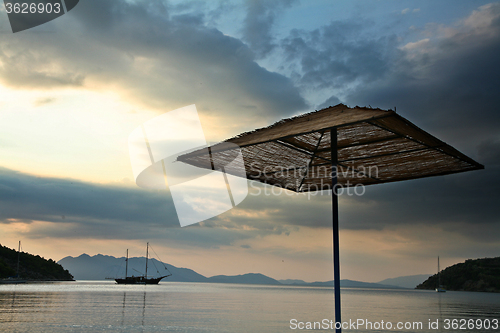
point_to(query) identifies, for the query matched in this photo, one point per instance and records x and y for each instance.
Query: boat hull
(139, 280)
(11, 281)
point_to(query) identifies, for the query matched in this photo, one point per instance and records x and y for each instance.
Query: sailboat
(439, 287)
(15, 279)
(143, 279)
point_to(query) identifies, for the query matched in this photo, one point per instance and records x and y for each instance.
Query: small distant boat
(15, 279)
(439, 287)
(143, 279)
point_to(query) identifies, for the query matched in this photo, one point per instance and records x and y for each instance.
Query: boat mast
(18, 257)
(126, 266)
(147, 253)
(439, 275)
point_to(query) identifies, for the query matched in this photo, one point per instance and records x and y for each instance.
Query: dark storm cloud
(464, 201)
(85, 210)
(156, 56)
(466, 204)
(29, 198)
(489, 152)
(449, 83)
(76, 209)
(446, 81)
(258, 23)
(337, 55)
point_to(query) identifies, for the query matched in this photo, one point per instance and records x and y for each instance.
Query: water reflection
(11, 312)
(74, 309)
(123, 308)
(143, 309)
(129, 310)
(184, 307)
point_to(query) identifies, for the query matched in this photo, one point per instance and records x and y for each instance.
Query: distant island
(31, 267)
(471, 275)
(100, 267)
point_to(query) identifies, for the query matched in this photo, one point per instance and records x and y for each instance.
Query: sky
(73, 89)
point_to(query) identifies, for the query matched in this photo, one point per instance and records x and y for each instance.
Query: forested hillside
(471, 275)
(31, 267)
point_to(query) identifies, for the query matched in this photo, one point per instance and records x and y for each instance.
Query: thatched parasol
(336, 147)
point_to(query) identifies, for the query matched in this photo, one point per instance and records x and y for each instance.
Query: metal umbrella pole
(335, 227)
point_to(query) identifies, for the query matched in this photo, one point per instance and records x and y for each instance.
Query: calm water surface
(204, 307)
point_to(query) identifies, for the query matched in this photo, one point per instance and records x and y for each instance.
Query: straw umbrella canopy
(336, 147)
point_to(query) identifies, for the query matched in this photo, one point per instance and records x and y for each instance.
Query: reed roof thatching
(374, 146)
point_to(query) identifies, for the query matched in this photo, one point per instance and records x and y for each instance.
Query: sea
(103, 306)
